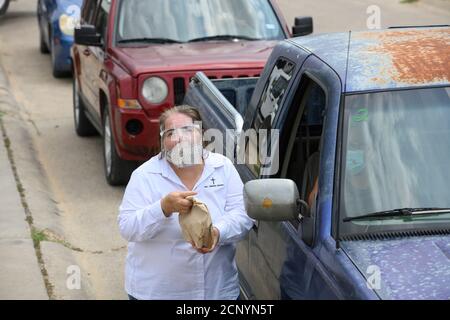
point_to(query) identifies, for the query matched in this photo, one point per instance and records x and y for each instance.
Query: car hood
(70, 7)
(195, 56)
(409, 268)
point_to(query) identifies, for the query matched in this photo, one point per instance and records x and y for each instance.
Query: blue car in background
(57, 20)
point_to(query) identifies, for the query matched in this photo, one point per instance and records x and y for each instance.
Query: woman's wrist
(164, 208)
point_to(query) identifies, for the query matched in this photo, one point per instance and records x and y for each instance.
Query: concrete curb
(35, 201)
(20, 274)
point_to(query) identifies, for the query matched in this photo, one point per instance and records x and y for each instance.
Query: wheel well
(75, 58)
(50, 36)
(103, 103)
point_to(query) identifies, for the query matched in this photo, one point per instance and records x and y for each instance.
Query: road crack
(51, 236)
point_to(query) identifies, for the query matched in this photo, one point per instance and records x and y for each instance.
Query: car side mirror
(87, 35)
(302, 26)
(273, 200)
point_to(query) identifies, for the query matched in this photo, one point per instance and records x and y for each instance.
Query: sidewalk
(20, 275)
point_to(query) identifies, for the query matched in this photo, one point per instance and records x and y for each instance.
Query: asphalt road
(344, 15)
(85, 207)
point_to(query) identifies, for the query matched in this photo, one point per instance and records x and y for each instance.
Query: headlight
(67, 24)
(155, 90)
(69, 19)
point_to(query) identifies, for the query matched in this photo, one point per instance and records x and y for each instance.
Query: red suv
(134, 59)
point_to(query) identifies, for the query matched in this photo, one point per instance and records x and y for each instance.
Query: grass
(49, 236)
(38, 236)
(20, 188)
(7, 143)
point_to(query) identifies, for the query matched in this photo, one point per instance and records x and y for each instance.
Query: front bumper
(61, 46)
(136, 147)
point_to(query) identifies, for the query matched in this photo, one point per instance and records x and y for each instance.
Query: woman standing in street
(160, 264)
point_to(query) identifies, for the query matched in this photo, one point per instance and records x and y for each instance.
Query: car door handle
(87, 52)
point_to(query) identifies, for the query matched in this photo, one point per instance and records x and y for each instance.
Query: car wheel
(117, 170)
(83, 125)
(4, 4)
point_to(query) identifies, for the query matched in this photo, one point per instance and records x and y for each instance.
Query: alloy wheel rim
(2, 3)
(107, 143)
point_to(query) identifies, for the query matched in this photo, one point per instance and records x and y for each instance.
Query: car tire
(83, 125)
(117, 170)
(4, 4)
(43, 48)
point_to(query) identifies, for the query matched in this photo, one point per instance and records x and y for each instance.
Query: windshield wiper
(223, 37)
(149, 40)
(402, 212)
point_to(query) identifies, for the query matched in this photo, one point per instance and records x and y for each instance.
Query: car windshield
(396, 154)
(198, 20)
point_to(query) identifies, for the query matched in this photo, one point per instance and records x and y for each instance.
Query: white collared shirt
(160, 264)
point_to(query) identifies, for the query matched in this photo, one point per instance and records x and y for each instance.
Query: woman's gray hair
(187, 110)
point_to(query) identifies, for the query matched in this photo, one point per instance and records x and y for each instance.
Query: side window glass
(273, 94)
(88, 11)
(101, 22)
(84, 10)
(306, 142)
(267, 109)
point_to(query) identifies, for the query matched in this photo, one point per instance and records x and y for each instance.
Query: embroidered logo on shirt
(213, 184)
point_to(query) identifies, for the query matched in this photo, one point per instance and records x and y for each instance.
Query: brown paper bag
(196, 225)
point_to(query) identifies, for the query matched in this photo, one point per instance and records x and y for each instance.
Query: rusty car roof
(385, 59)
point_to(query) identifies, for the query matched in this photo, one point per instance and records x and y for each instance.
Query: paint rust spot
(418, 56)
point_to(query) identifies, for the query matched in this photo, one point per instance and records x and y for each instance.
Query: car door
(85, 62)
(277, 81)
(97, 56)
(283, 263)
(268, 240)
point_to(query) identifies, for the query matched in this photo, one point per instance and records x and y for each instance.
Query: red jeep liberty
(134, 59)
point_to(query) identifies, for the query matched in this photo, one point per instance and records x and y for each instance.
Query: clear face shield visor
(181, 132)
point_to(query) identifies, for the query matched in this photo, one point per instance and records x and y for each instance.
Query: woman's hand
(216, 236)
(177, 202)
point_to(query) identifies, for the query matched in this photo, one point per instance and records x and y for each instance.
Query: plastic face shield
(184, 131)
